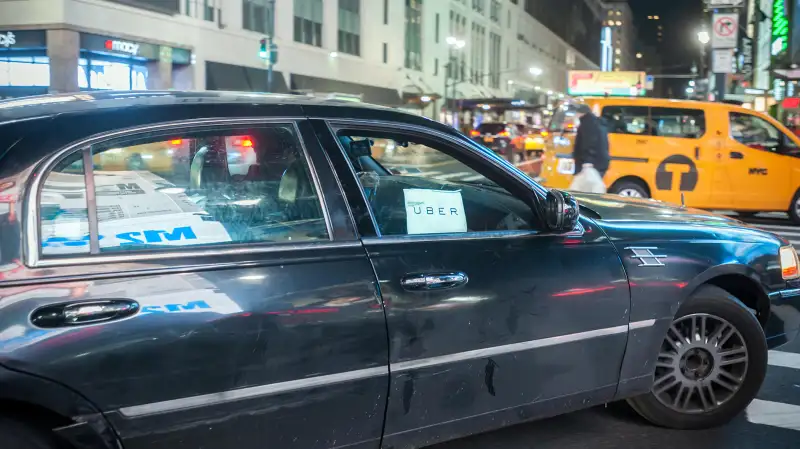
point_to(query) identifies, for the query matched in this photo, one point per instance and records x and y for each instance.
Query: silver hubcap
(797, 207)
(631, 193)
(702, 364)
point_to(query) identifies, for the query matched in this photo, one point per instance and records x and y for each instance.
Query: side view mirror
(561, 211)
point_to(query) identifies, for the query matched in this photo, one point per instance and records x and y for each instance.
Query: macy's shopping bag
(588, 180)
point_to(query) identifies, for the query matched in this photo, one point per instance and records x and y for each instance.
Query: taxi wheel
(20, 435)
(794, 209)
(630, 189)
(710, 366)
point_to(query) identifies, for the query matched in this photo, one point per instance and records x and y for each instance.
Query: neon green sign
(780, 28)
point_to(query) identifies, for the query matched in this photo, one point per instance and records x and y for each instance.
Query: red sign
(791, 103)
(725, 26)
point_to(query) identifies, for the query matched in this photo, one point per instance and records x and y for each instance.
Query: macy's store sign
(7, 40)
(130, 48)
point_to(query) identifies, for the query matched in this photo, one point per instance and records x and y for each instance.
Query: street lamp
(535, 71)
(704, 37)
(638, 56)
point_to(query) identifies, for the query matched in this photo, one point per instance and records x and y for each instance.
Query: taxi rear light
(176, 141)
(474, 133)
(243, 142)
(504, 134)
(790, 266)
(545, 133)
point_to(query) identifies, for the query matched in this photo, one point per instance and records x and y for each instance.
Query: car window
(491, 128)
(675, 122)
(564, 119)
(204, 188)
(416, 187)
(757, 133)
(63, 209)
(627, 120)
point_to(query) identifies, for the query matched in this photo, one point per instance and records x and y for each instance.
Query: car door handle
(80, 313)
(697, 152)
(736, 155)
(436, 281)
(641, 141)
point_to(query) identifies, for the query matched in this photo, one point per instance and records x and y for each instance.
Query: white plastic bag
(588, 180)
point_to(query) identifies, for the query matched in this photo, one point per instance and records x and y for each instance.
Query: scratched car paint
(360, 339)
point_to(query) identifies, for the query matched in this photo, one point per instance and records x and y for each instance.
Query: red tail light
(176, 141)
(474, 133)
(243, 142)
(505, 134)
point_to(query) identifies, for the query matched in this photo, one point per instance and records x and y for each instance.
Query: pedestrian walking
(590, 153)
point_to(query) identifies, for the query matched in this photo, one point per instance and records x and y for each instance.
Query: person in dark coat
(591, 143)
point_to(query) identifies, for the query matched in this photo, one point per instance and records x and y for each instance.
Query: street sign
(722, 61)
(649, 82)
(725, 3)
(725, 31)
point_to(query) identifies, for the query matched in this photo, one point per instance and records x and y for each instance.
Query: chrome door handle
(434, 281)
(76, 314)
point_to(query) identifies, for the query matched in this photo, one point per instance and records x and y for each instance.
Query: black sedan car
(222, 270)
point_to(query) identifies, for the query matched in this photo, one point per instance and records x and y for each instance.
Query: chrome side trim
(506, 349)
(641, 324)
(32, 237)
(488, 235)
(205, 400)
(791, 293)
(210, 399)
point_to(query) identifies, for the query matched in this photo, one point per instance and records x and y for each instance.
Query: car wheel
(20, 435)
(710, 365)
(794, 209)
(631, 189)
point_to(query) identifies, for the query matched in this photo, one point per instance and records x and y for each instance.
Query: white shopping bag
(588, 180)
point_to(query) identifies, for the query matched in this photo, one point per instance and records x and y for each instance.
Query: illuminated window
(25, 71)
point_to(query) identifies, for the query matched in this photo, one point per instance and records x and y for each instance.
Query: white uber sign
(434, 211)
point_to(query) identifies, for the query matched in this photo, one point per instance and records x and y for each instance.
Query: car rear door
(201, 303)
(488, 316)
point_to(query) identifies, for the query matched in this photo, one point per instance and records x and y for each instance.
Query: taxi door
(682, 155)
(758, 174)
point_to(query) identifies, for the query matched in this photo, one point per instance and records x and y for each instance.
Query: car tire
(711, 310)
(629, 189)
(20, 435)
(794, 209)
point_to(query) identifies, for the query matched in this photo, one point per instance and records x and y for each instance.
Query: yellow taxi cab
(708, 155)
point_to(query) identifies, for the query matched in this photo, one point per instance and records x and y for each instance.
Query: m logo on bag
(669, 167)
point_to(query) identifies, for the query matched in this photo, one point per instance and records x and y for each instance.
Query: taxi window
(627, 120)
(755, 132)
(677, 122)
(248, 185)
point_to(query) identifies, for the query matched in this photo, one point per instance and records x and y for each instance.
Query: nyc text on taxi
(185, 270)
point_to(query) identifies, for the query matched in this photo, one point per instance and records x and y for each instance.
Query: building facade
(618, 41)
(392, 52)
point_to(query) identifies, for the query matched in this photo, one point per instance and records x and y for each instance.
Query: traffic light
(263, 53)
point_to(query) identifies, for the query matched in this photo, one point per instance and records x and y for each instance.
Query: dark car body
(318, 344)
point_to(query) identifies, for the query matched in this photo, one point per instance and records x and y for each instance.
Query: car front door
(487, 313)
(760, 176)
(214, 296)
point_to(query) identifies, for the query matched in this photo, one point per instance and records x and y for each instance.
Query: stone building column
(159, 73)
(63, 49)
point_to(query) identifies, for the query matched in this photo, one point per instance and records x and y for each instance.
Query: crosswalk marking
(775, 414)
(784, 359)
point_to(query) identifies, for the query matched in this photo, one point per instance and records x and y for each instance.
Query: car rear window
(491, 128)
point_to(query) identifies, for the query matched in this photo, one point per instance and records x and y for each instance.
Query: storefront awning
(221, 76)
(369, 94)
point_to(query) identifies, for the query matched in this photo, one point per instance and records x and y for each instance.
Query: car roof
(81, 102)
(661, 102)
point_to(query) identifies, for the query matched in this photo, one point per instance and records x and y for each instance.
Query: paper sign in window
(434, 211)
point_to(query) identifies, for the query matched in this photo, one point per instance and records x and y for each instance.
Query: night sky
(681, 19)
